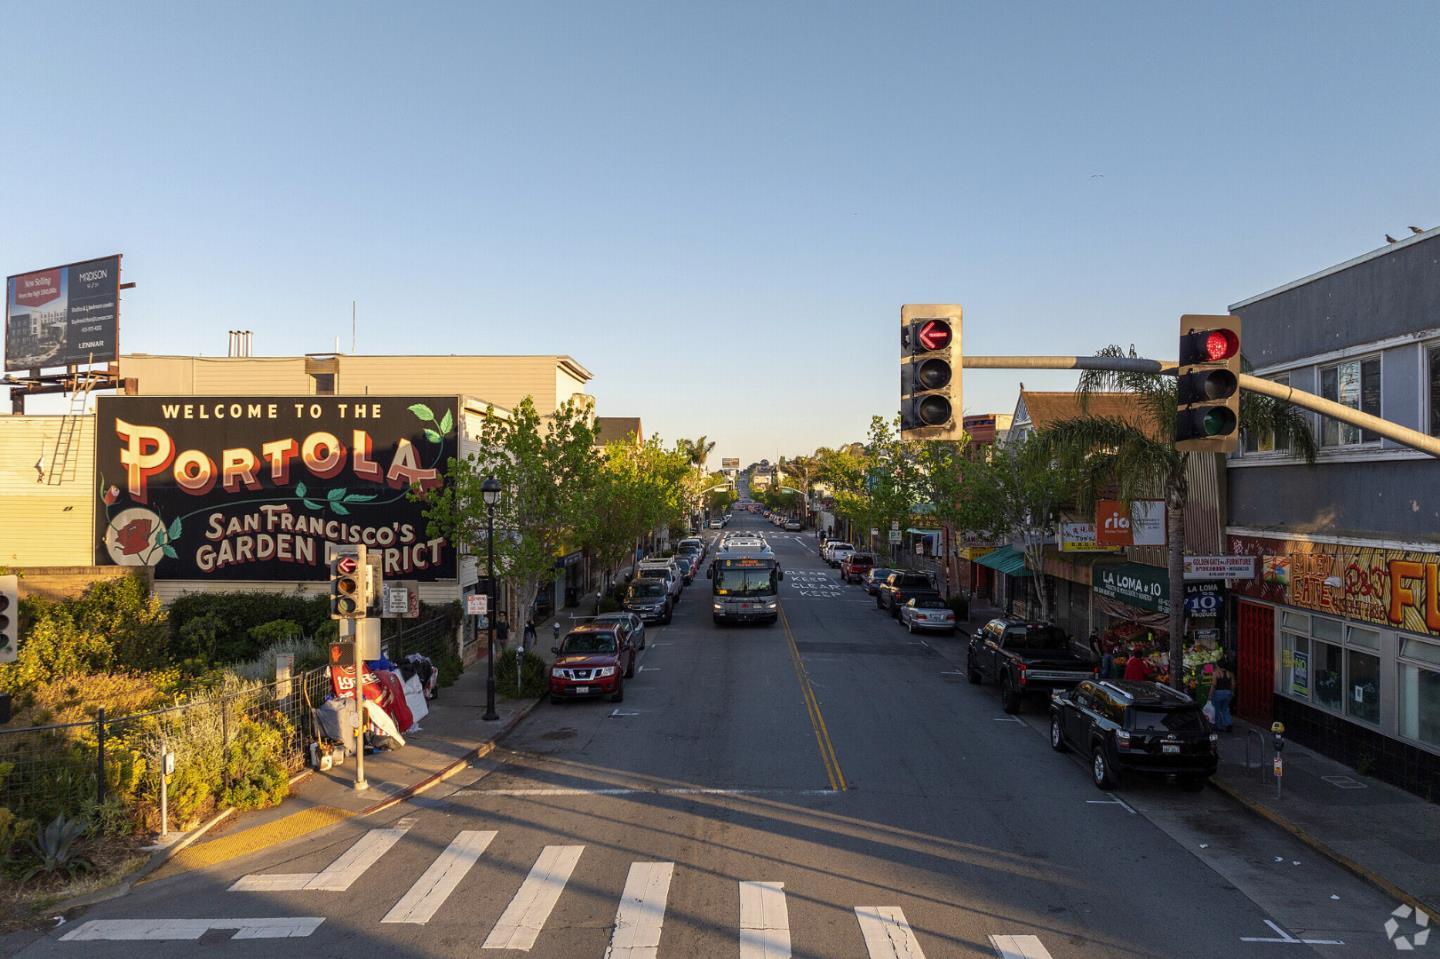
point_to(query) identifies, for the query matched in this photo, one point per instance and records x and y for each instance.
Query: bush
(228, 623)
(534, 681)
(255, 765)
(610, 605)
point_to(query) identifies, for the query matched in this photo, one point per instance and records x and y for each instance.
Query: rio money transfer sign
(252, 488)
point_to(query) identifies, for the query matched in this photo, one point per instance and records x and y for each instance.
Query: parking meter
(1278, 730)
(555, 627)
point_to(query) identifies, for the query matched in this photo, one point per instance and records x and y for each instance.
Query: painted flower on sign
(111, 495)
(134, 536)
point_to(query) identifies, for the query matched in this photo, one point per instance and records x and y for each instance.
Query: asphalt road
(818, 788)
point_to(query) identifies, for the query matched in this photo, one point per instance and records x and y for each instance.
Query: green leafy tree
(547, 467)
(1108, 455)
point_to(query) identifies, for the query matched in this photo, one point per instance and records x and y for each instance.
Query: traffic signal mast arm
(1255, 384)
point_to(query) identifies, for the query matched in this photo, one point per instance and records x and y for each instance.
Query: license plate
(1169, 749)
(582, 690)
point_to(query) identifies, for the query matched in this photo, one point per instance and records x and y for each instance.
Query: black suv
(1128, 726)
(898, 588)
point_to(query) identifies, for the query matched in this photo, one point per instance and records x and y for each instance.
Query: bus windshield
(745, 582)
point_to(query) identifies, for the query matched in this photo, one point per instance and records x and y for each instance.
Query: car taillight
(1021, 678)
(1122, 739)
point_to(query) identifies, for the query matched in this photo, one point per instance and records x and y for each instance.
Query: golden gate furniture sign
(1388, 587)
(252, 488)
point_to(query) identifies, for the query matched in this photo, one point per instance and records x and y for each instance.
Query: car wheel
(1009, 697)
(1057, 735)
(619, 694)
(971, 673)
(1100, 772)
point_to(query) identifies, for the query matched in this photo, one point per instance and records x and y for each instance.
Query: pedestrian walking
(1135, 667)
(502, 629)
(528, 636)
(1222, 694)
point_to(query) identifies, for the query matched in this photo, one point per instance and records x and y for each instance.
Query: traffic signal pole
(1403, 435)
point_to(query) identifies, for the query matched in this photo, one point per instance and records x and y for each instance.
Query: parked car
(632, 625)
(667, 574)
(717, 524)
(1134, 727)
(898, 587)
(928, 611)
(794, 526)
(835, 552)
(1023, 658)
(855, 565)
(593, 660)
(873, 577)
(650, 600)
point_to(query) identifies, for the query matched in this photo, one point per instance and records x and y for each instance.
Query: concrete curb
(435, 778)
(1335, 856)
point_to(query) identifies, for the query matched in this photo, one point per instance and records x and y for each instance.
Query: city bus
(745, 586)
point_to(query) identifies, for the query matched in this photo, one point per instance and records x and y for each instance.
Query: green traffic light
(1219, 421)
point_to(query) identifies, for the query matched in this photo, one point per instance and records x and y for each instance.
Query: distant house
(618, 429)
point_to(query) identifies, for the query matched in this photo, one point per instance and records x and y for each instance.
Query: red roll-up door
(1255, 667)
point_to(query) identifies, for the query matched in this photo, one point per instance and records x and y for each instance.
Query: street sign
(477, 604)
(894, 524)
(920, 548)
(397, 599)
(895, 536)
(874, 531)
(1219, 567)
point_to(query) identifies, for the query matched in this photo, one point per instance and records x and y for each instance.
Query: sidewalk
(451, 736)
(1381, 833)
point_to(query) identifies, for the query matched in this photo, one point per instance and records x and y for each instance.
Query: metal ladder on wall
(64, 465)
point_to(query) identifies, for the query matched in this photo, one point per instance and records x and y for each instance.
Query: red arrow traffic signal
(346, 565)
(934, 335)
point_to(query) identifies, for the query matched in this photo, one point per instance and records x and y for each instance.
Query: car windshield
(577, 643)
(646, 590)
(1167, 720)
(744, 582)
(1036, 638)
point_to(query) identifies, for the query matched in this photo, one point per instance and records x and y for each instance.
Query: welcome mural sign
(253, 488)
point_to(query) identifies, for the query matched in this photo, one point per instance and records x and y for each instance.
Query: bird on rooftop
(1390, 239)
(1416, 229)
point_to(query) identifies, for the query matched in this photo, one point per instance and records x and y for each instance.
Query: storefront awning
(1007, 560)
(916, 531)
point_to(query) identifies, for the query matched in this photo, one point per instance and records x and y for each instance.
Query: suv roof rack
(1153, 692)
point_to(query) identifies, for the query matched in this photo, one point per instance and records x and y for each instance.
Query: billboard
(254, 487)
(730, 462)
(64, 315)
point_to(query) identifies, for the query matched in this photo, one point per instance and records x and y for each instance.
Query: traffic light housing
(349, 576)
(9, 619)
(1207, 415)
(930, 367)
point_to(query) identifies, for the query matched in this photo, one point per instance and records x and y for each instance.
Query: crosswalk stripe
(439, 881)
(642, 911)
(1019, 947)
(137, 930)
(341, 874)
(520, 924)
(887, 934)
(764, 921)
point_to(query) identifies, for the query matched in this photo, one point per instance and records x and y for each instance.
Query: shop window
(1296, 665)
(1356, 384)
(1420, 704)
(1432, 369)
(1329, 676)
(1363, 638)
(1263, 441)
(1329, 630)
(1362, 699)
(1297, 621)
(1427, 653)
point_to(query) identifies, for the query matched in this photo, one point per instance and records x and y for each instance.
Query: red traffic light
(933, 335)
(346, 565)
(1221, 345)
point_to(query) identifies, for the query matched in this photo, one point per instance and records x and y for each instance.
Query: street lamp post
(490, 492)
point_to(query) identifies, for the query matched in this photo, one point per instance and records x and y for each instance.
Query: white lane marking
(887, 934)
(1113, 801)
(1008, 719)
(653, 669)
(1287, 937)
(619, 713)
(641, 915)
(439, 881)
(668, 791)
(520, 924)
(342, 873)
(132, 930)
(1019, 947)
(764, 921)
(272, 882)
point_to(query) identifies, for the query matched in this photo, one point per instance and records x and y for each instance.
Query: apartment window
(1356, 384)
(1432, 369)
(1258, 441)
(1420, 691)
(322, 384)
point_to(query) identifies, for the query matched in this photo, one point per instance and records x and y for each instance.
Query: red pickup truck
(594, 660)
(854, 567)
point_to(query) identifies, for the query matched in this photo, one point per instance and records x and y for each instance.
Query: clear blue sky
(717, 208)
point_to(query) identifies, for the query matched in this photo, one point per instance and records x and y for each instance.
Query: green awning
(1007, 560)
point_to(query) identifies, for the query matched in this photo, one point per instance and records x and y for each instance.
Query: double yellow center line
(812, 707)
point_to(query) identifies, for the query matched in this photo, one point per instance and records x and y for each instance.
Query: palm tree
(698, 450)
(1140, 459)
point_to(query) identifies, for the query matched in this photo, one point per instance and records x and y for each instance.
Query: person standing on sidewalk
(1222, 695)
(502, 629)
(528, 636)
